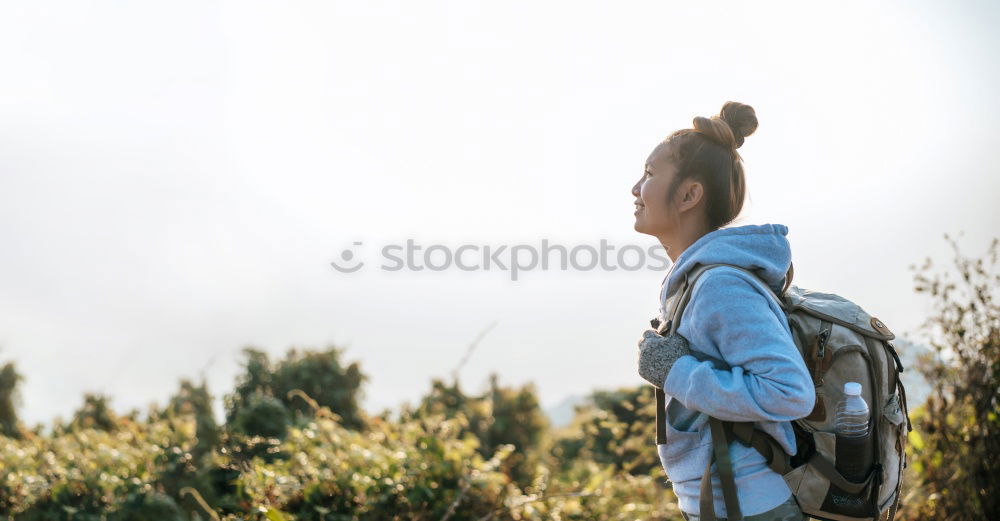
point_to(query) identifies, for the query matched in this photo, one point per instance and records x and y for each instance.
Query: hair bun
(741, 119)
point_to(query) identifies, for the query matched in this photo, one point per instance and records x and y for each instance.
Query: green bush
(499, 416)
(428, 467)
(954, 471)
(9, 401)
(319, 375)
(614, 427)
(262, 415)
(86, 472)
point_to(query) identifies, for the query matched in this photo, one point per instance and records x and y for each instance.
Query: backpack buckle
(820, 358)
(664, 328)
(824, 335)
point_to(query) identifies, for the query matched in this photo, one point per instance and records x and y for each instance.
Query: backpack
(839, 342)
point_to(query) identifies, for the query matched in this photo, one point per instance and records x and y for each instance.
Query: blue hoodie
(733, 317)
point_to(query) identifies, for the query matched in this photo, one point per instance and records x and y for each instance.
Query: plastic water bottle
(854, 454)
(852, 413)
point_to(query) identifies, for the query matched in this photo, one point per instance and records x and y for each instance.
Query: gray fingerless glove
(657, 354)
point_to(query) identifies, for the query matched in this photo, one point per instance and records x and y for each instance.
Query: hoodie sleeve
(768, 380)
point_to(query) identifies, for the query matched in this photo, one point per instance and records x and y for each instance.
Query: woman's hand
(657, 354)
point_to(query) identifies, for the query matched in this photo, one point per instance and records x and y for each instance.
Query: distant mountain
(561, 413)
(917, 388)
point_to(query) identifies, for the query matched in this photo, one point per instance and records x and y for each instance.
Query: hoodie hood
(760, 248)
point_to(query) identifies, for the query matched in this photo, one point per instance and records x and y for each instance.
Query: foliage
(87, 472)
(616, 427)
(422, 468)
(261, 415)
(196, 400)
(500, 416)
(319, 375)
(517, 420)
(957, 431)
(9, 401)
(96, 413)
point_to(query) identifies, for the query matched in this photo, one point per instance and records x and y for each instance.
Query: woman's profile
(691, 189)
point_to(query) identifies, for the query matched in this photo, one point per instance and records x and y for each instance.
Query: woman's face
(652, 211)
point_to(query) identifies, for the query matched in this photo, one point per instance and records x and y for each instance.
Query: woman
(692, 187)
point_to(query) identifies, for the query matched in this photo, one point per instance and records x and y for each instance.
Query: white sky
(175, 178)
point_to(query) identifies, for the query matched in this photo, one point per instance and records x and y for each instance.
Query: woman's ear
(691, 193)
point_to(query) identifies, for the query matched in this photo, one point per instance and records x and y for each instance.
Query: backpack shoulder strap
(724, 464)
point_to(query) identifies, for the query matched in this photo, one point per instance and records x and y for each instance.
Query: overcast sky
(175, 178)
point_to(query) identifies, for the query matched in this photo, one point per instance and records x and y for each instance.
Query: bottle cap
(852, 388)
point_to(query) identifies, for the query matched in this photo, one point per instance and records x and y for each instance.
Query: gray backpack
(839, 343)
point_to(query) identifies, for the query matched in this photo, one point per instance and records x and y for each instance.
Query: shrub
(956, 434)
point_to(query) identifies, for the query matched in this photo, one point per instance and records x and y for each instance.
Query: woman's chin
(639, 226)
(643, 227)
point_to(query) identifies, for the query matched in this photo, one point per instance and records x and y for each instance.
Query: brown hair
(707, 153)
